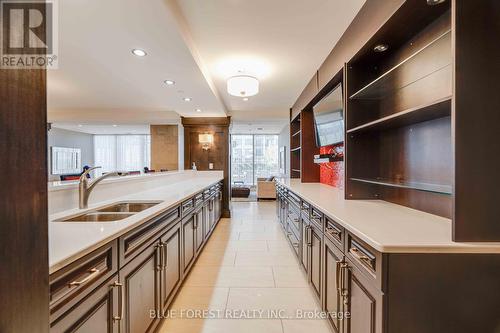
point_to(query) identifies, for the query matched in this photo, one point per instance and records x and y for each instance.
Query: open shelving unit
(398, 114)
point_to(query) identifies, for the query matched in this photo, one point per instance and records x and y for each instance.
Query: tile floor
(246, 269)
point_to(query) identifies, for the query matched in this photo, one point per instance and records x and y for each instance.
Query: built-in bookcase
(398, 114)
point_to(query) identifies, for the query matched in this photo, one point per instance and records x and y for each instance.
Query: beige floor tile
(191, 298)
(266, 235)
(234, 245)
(278, 244)
(227, 276)
(301, 326)
(254, 258)
(289, 276)
(221, 326)
(216, 258)
(287, 300)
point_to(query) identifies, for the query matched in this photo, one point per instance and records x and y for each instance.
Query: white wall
(284, 140)
(64, 138)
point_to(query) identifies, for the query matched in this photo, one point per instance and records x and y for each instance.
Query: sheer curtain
(122, 152)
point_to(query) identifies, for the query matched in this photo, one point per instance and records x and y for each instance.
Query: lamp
(206, 140)
(242, 86)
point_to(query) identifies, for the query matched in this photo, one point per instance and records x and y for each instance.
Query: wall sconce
(206, 140)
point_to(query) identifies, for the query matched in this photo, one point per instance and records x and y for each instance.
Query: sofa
(266, 188)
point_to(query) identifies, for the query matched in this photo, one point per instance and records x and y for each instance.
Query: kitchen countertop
(385, 226)
(69, 241)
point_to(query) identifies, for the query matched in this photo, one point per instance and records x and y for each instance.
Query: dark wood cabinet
(141, 288)
(188, 240)
(315, 257)
(99, 312)
(363, 302)
(170, 276)
(333, 301)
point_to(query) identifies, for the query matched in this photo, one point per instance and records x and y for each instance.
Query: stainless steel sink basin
(97, 217)
(133, 207)
(114, 212)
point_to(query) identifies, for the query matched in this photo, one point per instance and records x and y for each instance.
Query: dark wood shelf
(295, 170)
(434, 110)
(392, 80)
(296, 133)
(420, 186)
(295, 149)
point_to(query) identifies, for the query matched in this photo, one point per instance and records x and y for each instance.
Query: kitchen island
(109, 276)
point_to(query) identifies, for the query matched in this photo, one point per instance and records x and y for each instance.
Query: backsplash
(332, 173)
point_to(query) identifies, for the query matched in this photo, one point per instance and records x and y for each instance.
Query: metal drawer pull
(338, 276)
(159, 257)
(360, 256)
(333, 231)
(93, 273)
(120, 300)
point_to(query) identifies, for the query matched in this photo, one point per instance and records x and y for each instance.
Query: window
(66, 160)
(122, 152)
(252, 157)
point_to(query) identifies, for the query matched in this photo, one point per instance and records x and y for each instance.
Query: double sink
(113, 212)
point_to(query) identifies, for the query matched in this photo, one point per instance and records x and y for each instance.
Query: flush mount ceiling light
(242, 85)
(434, 2)
(198, 110)
(115, 125)
(245, 99)
(169, 82)
(380, 48)
(139, 52)
(187, 99)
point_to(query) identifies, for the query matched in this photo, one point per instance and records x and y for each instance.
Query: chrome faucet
(84, 188)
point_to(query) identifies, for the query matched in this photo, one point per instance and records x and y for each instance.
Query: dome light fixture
(242, 86)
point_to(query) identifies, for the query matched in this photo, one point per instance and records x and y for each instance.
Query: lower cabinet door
(188, 234)
(199, 234)
(98, 313)
(332, 275)
(211, 214)
(315, 260)
(141, 288)
(171, 264)
(364, 302)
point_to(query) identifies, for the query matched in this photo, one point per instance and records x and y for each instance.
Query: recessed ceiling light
(115, 125)
(198, 110)
(245, 99)
(80, 125)
(187, 99)
(434, 2)
(169, 82)
(139, 52)
(380, 48)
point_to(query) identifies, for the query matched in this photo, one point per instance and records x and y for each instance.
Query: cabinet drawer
(72, 283)
(294, 200)
(317, 218)
(133, 242)
(366, 259)
(305, 209)
(198, 199)
(334, 232)
(187, 206)
(293, 239)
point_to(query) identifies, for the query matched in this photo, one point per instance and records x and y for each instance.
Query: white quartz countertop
(69, 241)
(385, 226)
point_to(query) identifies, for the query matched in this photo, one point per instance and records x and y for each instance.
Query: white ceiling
(198, 44)
(104, 129)
(281, 42)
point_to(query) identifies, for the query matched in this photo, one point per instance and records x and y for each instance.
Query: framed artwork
(282, 160)
(66, 160)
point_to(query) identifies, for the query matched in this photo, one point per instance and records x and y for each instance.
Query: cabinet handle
(120, 300)
(360, 256)
(159, 257)
(93, 273)
(333, 231)
(165, 257)
(341, 281)
(309, 235)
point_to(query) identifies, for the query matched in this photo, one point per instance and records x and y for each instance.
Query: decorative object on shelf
(206, 140)
(242, 86)
(332, 172)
